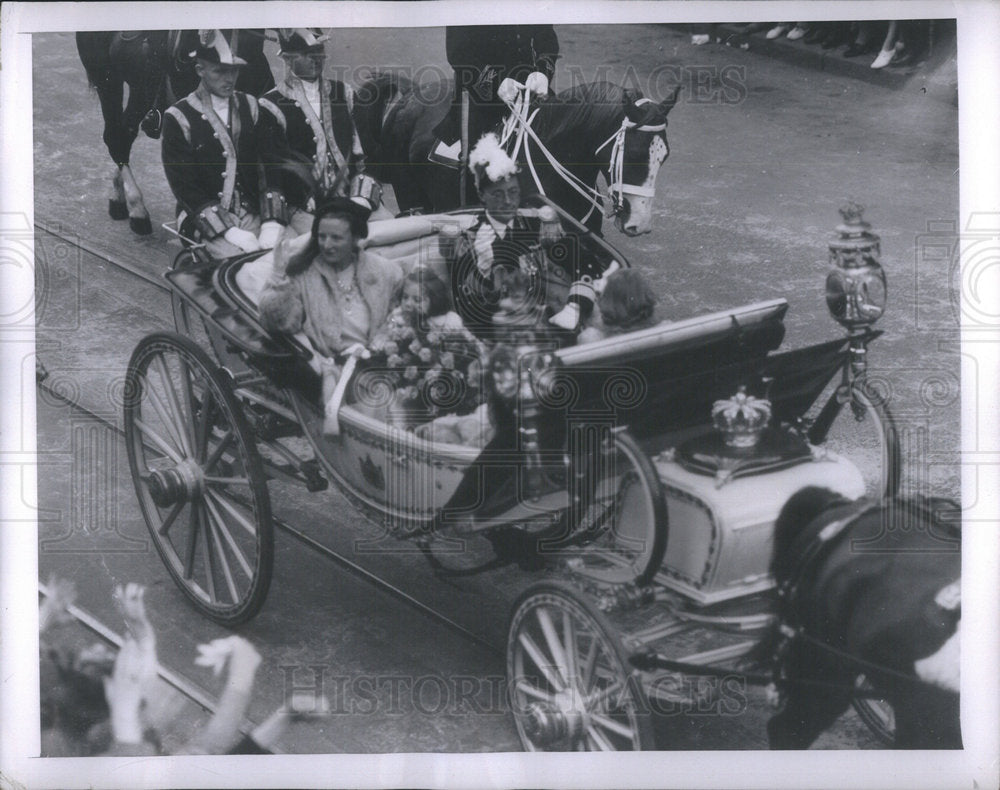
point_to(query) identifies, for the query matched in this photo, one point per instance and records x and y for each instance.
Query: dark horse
(156, 66)
(579, 127)
(866, 589)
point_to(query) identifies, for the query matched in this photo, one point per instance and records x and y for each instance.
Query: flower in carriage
(448, 360)
(395, 361)
(433, 338)
(415, 346)
(410, 373)
(391, 348)
(425, 354)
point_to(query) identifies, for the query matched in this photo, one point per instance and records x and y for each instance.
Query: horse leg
(927, 718)
(138, 216)
(117, 208)
(806, 715)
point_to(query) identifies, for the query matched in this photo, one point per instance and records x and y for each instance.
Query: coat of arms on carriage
(372, 473)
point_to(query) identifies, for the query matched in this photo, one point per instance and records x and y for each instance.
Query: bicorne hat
(489, 162)
(301, 40)
(213, 47)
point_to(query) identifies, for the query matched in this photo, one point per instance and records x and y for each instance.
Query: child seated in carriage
(626, 304)
(432, 358)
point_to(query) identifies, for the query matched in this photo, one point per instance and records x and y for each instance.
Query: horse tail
(94, 47)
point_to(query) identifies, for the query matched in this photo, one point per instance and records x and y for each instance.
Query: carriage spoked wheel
(620, 519)
(569, 681)
(856, 423)
(198, 477)
(877, 714)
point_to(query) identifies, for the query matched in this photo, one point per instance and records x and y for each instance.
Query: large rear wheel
(198, 478)
(570, 684)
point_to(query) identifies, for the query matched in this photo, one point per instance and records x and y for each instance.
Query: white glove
(602, 282)
(357, 350)
(243, 239)
(509, 89)
(537, 83)
(568, 317)
(270, 232)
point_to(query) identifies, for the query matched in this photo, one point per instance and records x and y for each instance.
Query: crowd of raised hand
(95, 701)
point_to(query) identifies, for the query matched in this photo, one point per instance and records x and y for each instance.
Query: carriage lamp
(742, 418)
(855, 286)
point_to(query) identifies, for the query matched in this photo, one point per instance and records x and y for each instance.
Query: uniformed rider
(482, 56)
(211, 158)
(306, 123)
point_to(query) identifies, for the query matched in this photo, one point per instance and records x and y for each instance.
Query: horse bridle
(517, 126)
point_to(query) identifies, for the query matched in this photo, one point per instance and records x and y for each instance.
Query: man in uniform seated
(502, 238)
(210, 155)
(307, 120)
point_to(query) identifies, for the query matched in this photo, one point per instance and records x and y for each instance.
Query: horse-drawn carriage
(647, 475)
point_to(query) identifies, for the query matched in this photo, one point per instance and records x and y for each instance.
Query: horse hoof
(117, 209)
(141, 226)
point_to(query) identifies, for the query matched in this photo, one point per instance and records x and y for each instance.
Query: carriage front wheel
(198, 477)
(858, 425)
(570, 684)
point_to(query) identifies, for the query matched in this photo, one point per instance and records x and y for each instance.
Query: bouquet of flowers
(435, 372)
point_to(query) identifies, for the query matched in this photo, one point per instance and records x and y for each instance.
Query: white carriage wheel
(569, 681)
(627, 517)
(198, 477)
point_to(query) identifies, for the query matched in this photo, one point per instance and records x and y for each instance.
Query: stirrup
(152, 123)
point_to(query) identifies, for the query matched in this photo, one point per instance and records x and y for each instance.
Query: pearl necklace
(347, 291)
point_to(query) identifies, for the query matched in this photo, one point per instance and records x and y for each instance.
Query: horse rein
(518, 125)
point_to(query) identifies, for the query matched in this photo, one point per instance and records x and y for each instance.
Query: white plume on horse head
(489, 159)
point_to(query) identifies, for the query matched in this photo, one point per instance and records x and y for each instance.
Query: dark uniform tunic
(560, 271)
(289, 131)
(482, 56)
(213, 171)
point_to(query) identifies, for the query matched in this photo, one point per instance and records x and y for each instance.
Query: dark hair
(356, 217)
(628, 301)
(434, 288)
(71, 700)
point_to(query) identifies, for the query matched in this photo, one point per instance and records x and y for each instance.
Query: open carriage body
(649, 531)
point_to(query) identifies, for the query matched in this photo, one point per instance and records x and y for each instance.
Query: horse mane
(591, 105)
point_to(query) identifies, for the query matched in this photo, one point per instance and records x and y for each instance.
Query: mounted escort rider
(307, 120)
(533, 241)
(211, 159)
(482, 56)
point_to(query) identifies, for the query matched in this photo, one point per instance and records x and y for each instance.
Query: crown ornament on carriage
(742, 418)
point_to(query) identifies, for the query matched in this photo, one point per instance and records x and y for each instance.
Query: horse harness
(517, 127)
(807, 552)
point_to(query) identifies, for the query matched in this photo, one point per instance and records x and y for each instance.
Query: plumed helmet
(301, 40)
(489, 162)
(214, 48)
